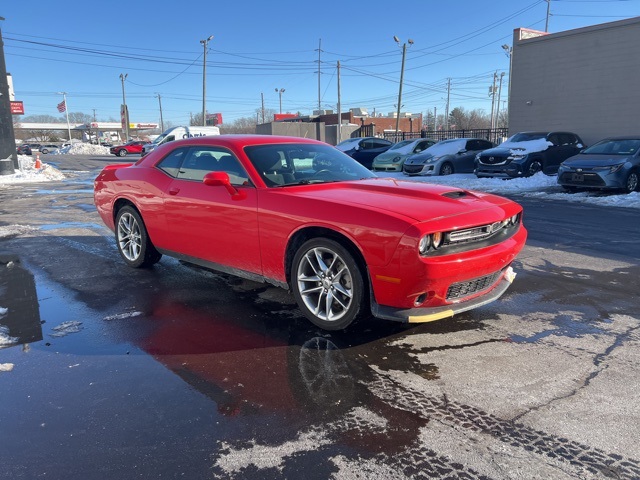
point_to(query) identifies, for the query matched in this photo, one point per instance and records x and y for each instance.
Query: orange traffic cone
(38, 162)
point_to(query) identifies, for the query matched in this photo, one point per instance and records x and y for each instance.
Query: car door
(207, 222)
(369, 149)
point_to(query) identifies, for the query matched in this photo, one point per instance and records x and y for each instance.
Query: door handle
(174, 191)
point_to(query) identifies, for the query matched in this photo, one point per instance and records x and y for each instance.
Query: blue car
(364, 149)
(610, 164)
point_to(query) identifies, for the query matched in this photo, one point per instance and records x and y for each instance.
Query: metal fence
(495, 135)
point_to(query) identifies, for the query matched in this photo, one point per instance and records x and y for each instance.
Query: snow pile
(83, 149)
(65, 328)
(29, 173)
(10, 231)
(5, 339)
(528, 146)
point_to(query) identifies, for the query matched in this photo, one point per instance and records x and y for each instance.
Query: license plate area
(577, 177)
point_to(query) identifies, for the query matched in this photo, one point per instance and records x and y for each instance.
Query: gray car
(610, 164)
(446, 157)
(393, 159)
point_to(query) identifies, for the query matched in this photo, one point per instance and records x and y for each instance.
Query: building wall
(293, 129)
(583, 80)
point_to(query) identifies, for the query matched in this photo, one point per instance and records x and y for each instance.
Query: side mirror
(462, 150)
(221, 179)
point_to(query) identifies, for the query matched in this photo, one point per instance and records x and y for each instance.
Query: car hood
(590, 161)
(417, 201)
(418, 158)
(390, 155)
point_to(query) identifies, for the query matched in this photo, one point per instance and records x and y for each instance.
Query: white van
(178, 133)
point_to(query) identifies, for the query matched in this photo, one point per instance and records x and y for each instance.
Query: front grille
(473, 234)
(492, 160)
(587, 179)
(464, 289)
(412, 168)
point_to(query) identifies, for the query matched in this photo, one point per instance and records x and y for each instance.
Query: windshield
(627, 146)
(401, 144)
(158, 140)
(526, 136)
(301, 164)
(445, 147)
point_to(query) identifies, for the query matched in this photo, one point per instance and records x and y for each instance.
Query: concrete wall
(584, 80)
(293, 129)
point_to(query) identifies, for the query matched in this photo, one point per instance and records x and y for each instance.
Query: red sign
(283, 116)
(17, 108)
(214, 119)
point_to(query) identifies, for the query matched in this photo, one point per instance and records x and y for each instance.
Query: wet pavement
(177, 372)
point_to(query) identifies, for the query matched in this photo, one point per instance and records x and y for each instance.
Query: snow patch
(5, 339)
(6, 367)
(28, 173)
(122, 316)
(528, 146)
(65, 328)
(8, 231)
(83, 149)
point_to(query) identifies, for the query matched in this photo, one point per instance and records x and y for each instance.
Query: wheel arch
(307, 233)
(123, 202)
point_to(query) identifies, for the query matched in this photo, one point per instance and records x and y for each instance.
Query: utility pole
(204, 43)
(8, 155)
(546, 24)
(435, 119)
(319, 72)
(446, 113)
(124, 116)
(498, 103)
(492, 94)
(339, 132)
(262, 97)
(280, 92)
(161, 120)
(404, 53)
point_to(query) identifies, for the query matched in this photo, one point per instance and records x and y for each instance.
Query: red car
(127, 148)
(300, 214)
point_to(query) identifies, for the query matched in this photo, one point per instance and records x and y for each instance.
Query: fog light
(420, 300)
(436, 239)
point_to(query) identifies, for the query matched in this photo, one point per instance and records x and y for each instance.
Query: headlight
(432, 159)
(431, 241)
(616, 168)
(396, 159)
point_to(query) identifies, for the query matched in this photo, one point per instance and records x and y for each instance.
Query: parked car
(300, 214)
(610, 164)
(446, 157)
(44, 149)
(393, 159)
(134, 146)
(24, 149)
(527, 153)
(364, 149)
(35, 147)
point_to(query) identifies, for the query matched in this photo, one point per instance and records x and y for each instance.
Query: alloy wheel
(129, 237)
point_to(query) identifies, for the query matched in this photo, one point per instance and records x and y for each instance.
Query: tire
(132, 239)
(122, 152)
(328, 284)
(446, 169)
(44, 151)
(534, 167)
(632, 182)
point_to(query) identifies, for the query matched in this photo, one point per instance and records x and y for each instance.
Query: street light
(125, 112)
(204, 43)
(280, 92)
(404, 53)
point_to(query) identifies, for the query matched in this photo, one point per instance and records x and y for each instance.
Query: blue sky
(258, 47)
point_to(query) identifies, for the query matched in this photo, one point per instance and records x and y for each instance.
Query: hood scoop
(455, 194)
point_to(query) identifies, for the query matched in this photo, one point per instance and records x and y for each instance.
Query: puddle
(566, 326)
(58, 226)
(63, 192)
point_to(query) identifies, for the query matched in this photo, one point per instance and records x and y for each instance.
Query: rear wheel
(132, 239)
(631, 185)
(327, 284)
(446, 169)
(122, 152)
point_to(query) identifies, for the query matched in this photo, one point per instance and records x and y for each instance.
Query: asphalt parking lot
(177, 372)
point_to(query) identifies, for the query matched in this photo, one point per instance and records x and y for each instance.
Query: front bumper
(509, 170)
(423, 315)
(387, 167)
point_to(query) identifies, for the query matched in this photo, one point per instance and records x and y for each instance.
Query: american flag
(62, 107)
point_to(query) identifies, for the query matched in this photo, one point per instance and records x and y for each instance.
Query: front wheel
(122, 152)
(631, 185)
(446, 169)
(327, 284)
(133, 241)
(534, 167)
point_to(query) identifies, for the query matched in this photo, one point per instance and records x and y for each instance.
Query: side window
(484, 145)
(378, 144)
(201, 160)
(569, 139)
(471, 146)
(171, 163)
(366, 145)
(167, 139)
(554, 138)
